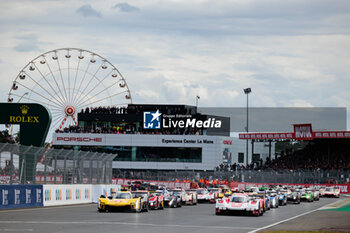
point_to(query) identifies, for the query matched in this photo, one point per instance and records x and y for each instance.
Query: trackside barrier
(169, 184)
(21, 196)
(344, 188)
(107, 190)
(67, 194)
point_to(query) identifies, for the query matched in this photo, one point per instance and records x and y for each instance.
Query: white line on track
(15, 230)
(125, 223)
(46, 208)
(285, 220)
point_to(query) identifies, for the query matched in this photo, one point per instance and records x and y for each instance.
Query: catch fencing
(253, 176)
(40, 165)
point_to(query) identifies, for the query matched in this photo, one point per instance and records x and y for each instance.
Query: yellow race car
(224, 191)
(122, 200)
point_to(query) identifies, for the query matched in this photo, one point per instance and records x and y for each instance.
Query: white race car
(332, 192)
(203, 195)
(322, 190)
(190, 197)
(213, 194)
(239, 203)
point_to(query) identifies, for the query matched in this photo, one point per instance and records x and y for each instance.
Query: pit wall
(27, 196)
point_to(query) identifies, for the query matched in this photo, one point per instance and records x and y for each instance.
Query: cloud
(125, 7)
(87, 10)
(28, 42)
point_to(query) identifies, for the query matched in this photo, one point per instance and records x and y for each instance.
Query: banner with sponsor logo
(20, 196)
(344, 188)
(303, 132)
(169, 184)
(59, 194)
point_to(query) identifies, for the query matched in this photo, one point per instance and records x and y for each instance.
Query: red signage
(332, 134)
(277, 136)
(227, 142)
(303, 132)
(79, 139)
(266, 136)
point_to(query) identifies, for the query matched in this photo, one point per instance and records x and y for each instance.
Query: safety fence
(40, 165)
(254, 176)
(168, 184)
(344, 188)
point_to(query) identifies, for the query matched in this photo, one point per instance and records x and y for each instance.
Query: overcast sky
(291, 53)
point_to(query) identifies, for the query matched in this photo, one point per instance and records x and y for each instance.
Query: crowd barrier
(67, 194)
(24, 196)
(344, 188)
(21, 196)
(168, 184)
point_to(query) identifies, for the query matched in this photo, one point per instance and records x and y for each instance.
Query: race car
(190, 197)
(307, 195)
(316, 194)
(120, 201)
(282, 197)
(322, 189)
(144, 198)
(239, 203)
(293, 196)
(173, 199)
(156, 200)
(252, 189)
(203, 195)
(224, 190)
(213, 194)
(262, 198)
(332, 192)
(274, 202)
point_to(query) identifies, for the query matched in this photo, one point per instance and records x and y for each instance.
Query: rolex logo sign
(24, 118)
(24, 109)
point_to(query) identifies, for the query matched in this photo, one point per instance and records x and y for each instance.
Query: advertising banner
(67, 194)
(21, 196)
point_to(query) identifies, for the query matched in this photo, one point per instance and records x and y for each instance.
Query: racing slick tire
(161, 206)
(262, 213)
(258, 214)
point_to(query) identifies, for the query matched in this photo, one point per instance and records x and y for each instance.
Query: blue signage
(20, 196)
(151, 120)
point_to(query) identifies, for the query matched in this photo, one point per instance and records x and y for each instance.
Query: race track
(200, 218)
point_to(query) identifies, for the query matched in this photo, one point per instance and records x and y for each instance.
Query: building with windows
(163, 137)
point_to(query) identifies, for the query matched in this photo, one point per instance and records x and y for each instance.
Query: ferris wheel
(68, 80)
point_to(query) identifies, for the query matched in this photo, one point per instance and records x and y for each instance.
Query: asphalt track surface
(200, 218)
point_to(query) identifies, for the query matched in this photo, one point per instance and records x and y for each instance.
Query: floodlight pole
(247, 91)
